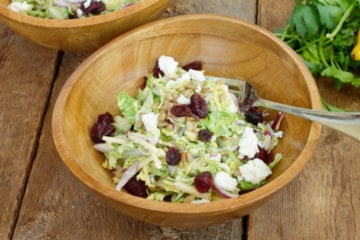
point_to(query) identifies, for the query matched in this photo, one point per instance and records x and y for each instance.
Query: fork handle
(346, 122)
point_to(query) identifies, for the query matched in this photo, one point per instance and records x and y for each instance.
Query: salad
(67, 9)
(182, 138)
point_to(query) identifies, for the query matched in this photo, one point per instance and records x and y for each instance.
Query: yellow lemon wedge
(355, 53)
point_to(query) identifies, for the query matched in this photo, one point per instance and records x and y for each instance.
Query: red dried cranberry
(181, 110)
(254, 115)
(203, 182)
(103, 127)
(196, 65)
(167, 198)
(198, 106)
(205, 135)
(173, 156)
(100, 130)
(136, 187)
(157, 71)
(105, 118)
(95, 8)
(267, 157)
(144, 82)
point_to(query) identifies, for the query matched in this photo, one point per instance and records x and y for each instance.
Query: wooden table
(41, 199)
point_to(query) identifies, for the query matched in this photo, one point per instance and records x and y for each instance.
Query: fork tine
(236, 86)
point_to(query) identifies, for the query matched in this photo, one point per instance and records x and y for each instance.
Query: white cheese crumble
(224, 181)
(19, 6)
(248, 143)
(197, 75)
(168, 66)
(179, 82)
(87, 3)
(150, 121)
(182, 99)
(254, 171)
(79, 12)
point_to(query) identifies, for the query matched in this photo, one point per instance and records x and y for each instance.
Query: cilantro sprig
(323, 33)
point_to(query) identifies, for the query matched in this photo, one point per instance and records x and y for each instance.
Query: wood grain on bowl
(227, 47)
(84, 34)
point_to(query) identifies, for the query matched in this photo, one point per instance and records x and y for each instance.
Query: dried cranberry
(95, 8)
(100, 130)
(173, 156)
(144, 82)
(267, 157)
(196, 65)
(181, 110)
(203, 182)
(167, 198)
(157, 71)
(254, 115)
(205, 135)
(136, 187)
(198, 106)
(105, 118)
(103, 127)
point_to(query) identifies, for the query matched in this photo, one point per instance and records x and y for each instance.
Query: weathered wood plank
(243, 9)
(324, 200)
(26, 73)
(57, 206)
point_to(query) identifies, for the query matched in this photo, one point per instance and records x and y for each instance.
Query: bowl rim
(225, 205)
(79, 22)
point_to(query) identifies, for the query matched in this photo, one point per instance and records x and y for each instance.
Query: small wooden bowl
(80, 35)
(228, 47)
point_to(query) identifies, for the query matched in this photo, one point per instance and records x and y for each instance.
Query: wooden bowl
(228, 47)
(80, 35)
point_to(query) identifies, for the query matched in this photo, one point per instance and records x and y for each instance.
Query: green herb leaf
(330, 15)
(305, 20)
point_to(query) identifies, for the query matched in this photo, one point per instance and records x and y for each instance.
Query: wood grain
(216, 41)
(321, 203)
(242, 9)
(82, 34)
(57, 206)
(25, 84)
(324, 201)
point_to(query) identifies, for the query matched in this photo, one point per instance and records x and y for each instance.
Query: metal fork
(345, 122)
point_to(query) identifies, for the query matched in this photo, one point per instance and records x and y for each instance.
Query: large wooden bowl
(227, 47)
(86, 34)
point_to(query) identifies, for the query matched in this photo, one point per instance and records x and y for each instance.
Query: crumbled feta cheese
(248, 143)
(168, 66)
(79, 12)
(150, 121)
(87, 3)
(254, 171)
(224, 181)
(197, 75)
(19, 6)
(182, 99)
(179, 82)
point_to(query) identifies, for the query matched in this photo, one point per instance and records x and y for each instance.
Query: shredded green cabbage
(132, 140)
(65, 9)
